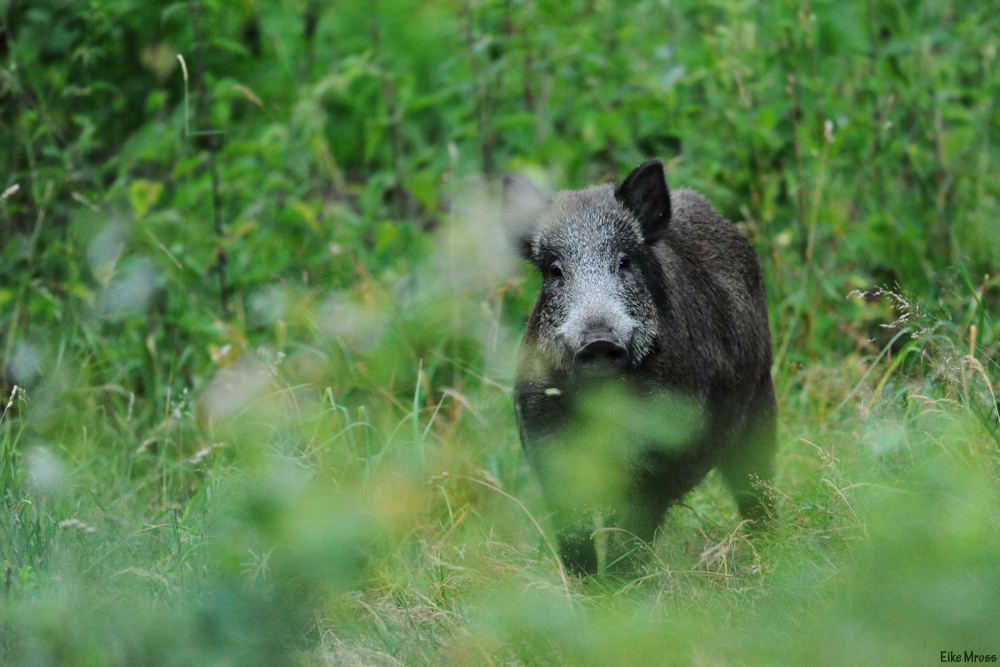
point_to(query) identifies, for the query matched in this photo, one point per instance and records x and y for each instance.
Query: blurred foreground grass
(303, 531)
(263, 411)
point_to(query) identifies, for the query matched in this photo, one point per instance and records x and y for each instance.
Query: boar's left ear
(645, 193)
(522, 195)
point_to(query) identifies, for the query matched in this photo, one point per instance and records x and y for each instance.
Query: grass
(266, 522)
(263, 413)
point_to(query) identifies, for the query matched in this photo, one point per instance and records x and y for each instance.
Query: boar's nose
(601, 348)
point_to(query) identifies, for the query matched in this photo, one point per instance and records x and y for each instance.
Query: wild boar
(657, 294)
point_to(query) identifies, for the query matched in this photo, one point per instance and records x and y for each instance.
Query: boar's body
(656, 291)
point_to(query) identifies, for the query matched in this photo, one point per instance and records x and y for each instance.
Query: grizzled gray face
(602, 285)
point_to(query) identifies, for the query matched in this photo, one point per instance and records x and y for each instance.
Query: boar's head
(602, 297)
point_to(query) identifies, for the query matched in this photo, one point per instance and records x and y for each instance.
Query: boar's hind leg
(749, 462)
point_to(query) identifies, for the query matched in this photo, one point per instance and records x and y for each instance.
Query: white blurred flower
(233, 390)
(269, 304)
(341, 316)
(45, 470)
(25, 364)
(129, 290)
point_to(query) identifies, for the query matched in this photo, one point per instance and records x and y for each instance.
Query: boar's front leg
(574, 524)
(576, 546)
(540, 416)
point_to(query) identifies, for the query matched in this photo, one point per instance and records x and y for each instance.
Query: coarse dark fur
(668, 297)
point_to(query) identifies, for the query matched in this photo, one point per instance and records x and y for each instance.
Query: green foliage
(262, 327)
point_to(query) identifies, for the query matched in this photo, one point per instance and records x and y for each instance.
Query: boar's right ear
(645, 193)
(523, 201)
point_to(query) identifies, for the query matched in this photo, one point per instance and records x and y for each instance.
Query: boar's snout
(601, 349)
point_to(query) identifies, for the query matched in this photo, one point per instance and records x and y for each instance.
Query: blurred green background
(262, 332)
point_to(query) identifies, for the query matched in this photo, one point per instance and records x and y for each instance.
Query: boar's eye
(624, 262)
(555, 271)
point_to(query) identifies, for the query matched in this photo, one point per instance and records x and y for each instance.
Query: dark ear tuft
(523, 202)
(524, 248)
(645, 193)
